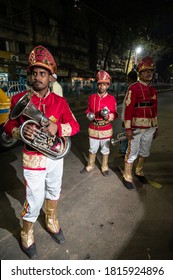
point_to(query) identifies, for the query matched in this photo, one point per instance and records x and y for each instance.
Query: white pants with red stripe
(140, 144)
(41, 185)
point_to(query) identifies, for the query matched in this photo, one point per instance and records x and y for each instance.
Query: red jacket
(95, 104)
(54, 107)
(140, 106)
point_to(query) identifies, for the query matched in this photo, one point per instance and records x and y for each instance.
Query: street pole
(137, 51)
(127, 67)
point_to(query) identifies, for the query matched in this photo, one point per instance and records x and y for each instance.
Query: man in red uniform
(101, 111)
(42, 174)
(140, 121)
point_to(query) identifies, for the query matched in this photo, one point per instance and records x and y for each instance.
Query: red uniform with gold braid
(100, 128)
(141, 101)
(141, 106)
(140, 114)
(54, 107)
(42, 174)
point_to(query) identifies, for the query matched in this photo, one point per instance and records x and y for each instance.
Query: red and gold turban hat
(103, 77)
(41, 57)
(145, 63)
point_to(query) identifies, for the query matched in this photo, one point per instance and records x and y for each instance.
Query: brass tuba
(51, 146)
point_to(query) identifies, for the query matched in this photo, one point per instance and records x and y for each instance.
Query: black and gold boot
(104, 166)
(127, 176)
(52, 223)
(27, 240)
(91, 164)
(139, 173)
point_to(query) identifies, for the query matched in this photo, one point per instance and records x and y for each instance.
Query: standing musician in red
(101, 111)
(42, 175)
(140, 121)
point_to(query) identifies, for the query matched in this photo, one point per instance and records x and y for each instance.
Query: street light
(137, 51)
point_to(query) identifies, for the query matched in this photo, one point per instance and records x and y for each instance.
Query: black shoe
(58, 237)
(105, 173)
(83, 171)
(128, 184)
(31, 251)
(142, 179)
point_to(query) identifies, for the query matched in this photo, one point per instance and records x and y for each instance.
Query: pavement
(100, 218)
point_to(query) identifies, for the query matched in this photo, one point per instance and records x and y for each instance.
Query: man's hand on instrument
(90, 116)
(129, 134)
(29, 131)
(51, 129)
(106, 118)
(155, 133)
(105, 113)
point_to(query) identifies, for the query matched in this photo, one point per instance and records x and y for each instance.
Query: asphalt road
(100, 218)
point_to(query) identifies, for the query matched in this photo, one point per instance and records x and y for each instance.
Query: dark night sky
(132, 12)
(120, 8)
(157, 14)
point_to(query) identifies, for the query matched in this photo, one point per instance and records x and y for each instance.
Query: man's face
(146, 75)
(102, 87)
(40, 78)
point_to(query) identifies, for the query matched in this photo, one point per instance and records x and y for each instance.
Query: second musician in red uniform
(101, 111)
(140, 115)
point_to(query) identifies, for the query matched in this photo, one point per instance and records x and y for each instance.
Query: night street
(100, 218)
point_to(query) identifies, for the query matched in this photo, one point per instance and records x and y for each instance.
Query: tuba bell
(51, 146)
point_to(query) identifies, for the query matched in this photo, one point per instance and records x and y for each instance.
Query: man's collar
(38, 95)
(145, 84)
(104, 95)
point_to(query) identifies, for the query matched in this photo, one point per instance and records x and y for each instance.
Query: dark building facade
(78, 39)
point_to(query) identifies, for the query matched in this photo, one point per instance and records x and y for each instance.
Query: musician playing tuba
(42, 174)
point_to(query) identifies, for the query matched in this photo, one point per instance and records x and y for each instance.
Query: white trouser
(42, 184)
(140, 144)
(95, 144)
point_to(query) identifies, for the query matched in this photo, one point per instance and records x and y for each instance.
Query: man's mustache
(36, 82)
